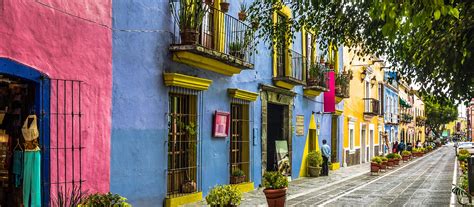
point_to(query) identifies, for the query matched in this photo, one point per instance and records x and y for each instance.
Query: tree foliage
(439, 113)
(429, 42)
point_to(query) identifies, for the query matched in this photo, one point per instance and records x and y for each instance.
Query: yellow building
(363, 124)
(419, 119)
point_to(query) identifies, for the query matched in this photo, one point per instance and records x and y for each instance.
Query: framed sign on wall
(220, 127)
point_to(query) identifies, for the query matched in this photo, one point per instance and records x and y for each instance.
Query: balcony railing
(371, 106)
(342, 85)
(406, 118)
(296, 73)
(317, 76)
(420, 121)
(391, 118)
(202, 25)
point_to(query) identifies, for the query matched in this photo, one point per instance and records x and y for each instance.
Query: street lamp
(363, 74)
(373, 81)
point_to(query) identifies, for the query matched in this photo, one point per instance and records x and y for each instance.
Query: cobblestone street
(423, 181)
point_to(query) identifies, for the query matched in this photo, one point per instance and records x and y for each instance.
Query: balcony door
(367, 95)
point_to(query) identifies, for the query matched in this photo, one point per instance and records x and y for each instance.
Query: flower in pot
(224, 6)
(406, 155)
(188, 186)
(238, 176)
(275, 185)
(190, 17)
(315, 159)
(209, 2)
(316, 73)
(235, 49)
(396, 158)
(224, 195)
(375, 164)
(243, 11)
(390, 158)
(383, 166)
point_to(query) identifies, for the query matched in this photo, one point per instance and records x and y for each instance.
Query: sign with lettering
(300, 125)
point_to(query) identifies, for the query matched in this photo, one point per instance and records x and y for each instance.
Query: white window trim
(351, 144)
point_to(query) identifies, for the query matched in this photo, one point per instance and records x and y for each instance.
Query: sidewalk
(307, 185)
(303, 186)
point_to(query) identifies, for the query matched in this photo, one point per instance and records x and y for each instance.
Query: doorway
(277, 139)
(363, 141)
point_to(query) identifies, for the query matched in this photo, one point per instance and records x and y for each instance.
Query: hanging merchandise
(17, 165)
(32, 179)
(31, 172)
(30, 133)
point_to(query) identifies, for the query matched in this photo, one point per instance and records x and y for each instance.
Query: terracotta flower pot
(390, 163)
(189, 36)
(242, 16)
(209, 2)
(405, 158)
(396, 161)
(374, 167)
(225, 7)
(275, 197)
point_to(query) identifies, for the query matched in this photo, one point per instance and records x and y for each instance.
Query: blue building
(190, 110)
(390, 104)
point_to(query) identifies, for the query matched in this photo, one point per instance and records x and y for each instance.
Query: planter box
(237, 179)
(406, 158)
(374, 167)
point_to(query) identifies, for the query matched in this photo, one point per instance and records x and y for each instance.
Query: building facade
(55, 73)
(390, 108)
(188, 112)
(363, 121)
(419, 119)
(406, 123)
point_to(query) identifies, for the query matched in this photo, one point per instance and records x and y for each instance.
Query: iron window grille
(239, 139)
(182, 175)
(63, 153)
(281, 48)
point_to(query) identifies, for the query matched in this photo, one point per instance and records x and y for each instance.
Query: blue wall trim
(42, 109)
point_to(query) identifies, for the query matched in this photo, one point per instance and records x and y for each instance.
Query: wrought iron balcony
(317, 76)
(406, 118)
(343, 85)
(295, 74)
(209, 32)
(371, 106)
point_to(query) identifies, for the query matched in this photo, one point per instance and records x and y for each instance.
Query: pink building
(55, 65)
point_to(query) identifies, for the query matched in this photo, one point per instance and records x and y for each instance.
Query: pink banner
(330, 96)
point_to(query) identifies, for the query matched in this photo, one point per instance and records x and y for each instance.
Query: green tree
(439, 113)
(429, 41)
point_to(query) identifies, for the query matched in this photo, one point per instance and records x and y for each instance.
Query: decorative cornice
(242, 94)
(185, 81)
(277, 90)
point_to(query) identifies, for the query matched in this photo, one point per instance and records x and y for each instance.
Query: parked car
(463, 145)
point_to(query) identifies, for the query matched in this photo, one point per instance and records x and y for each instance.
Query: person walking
(395, 147)
(401, 147)
(326, 151)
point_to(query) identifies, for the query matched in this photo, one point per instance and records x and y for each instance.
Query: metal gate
(61, 138)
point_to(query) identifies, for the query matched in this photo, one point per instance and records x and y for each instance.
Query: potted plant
(390, 161)
(189, 186)
(209, 2)
(406, 155)
(235, 49)
(315, 159)
(383, 165)
(224, 6)
(243, 11)
(238, 176)
(107, 199)
(275, 188)
(191, 14)
(316, 73)
(429, 148)
(396, 159)
(224, 195)
(375, 165)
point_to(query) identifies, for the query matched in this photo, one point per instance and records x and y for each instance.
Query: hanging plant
(224, 6)
(243, 11)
